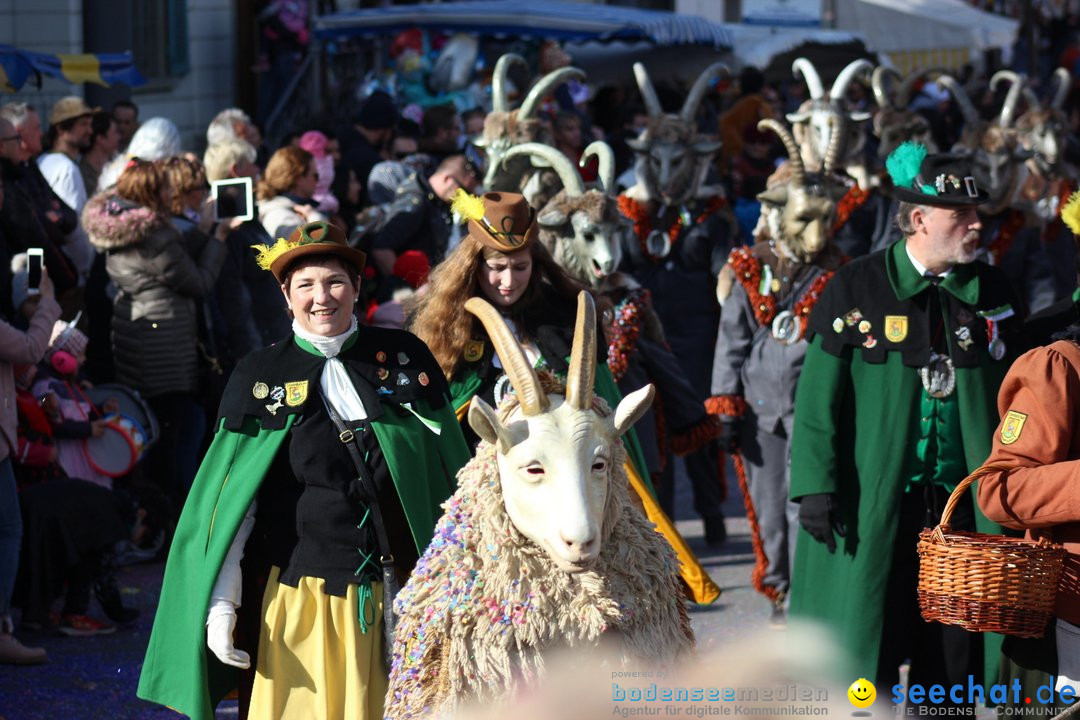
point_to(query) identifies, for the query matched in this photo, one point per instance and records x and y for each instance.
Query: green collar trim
(309, 348)
(962, 282)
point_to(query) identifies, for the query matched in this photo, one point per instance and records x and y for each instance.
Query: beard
(968, 248)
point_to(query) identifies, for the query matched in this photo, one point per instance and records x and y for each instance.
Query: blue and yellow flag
(17, 66)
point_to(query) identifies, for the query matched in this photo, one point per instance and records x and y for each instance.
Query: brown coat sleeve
(1039, 403)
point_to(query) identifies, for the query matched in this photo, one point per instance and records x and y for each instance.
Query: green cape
(180, 671)
(855, 422)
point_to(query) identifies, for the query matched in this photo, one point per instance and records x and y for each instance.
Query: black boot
(715, 531)
(108, 594)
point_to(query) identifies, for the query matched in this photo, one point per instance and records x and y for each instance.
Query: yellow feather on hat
(1070, 213)
(467, 206)
(266, 255)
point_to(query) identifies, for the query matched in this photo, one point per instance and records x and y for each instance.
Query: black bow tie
(932, 278)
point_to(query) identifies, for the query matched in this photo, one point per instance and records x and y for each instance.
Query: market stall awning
(926, 33)
(758, 45)
(17, 66)
(547, 19)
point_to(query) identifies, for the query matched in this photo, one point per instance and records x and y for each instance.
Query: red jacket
(34, 432)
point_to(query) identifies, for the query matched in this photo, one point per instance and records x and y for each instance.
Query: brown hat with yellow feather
(499, 220)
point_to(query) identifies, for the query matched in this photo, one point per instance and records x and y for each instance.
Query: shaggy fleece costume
(484, 603)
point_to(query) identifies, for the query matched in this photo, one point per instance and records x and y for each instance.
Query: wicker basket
(987, 583)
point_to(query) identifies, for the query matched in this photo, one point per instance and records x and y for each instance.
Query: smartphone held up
(35, 258)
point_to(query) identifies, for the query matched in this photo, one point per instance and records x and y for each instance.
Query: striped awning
(516, 18)
(17, 66)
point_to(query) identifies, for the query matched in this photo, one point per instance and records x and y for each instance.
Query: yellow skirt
(314, 663)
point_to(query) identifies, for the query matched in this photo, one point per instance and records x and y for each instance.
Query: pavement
(96, 677)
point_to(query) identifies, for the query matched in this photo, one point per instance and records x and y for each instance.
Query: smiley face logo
(862, 693)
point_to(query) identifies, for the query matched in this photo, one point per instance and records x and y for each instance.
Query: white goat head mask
(555, 453)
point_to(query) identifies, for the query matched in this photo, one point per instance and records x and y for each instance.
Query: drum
(131, 405)
(117, 451)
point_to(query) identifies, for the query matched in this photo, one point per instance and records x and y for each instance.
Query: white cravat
(336, 386)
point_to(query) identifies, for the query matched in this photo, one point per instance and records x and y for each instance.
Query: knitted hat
(314, 142)
(65, 336)
(316, 238)
(378, 113)
(413, 267)
(500, 220)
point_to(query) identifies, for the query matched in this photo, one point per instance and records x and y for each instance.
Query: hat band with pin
(932, 179)
(316, 238)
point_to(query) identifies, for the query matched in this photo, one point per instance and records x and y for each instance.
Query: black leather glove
(819, 515)
(729, 435)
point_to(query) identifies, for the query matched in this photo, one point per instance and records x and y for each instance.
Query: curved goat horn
(499, 100)
(849, 73)
(582, 373)
(690, 106)
(794, 156)
(544, 86)
(881, 93)
(968, 110)
(1032, 99)
(903, 95)
(804, 67)
(571, 178)
(533, 399)
(606, 158)
(1008, 107)
(648, 92)
(832, 152)
(1064, 78)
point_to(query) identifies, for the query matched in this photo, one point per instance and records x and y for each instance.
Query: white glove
(225, 598)
(219, 636)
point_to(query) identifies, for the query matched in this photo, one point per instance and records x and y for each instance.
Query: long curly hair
(184, 175)
(440, 319)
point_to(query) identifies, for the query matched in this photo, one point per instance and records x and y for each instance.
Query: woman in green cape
(333, 451)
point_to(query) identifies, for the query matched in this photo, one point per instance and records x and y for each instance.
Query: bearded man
(896, 404)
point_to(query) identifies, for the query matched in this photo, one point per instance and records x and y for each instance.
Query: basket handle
(961, 488)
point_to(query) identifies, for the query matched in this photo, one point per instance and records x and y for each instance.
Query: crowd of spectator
(154, 294)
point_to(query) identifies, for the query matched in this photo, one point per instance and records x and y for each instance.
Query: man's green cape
(857, 418)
